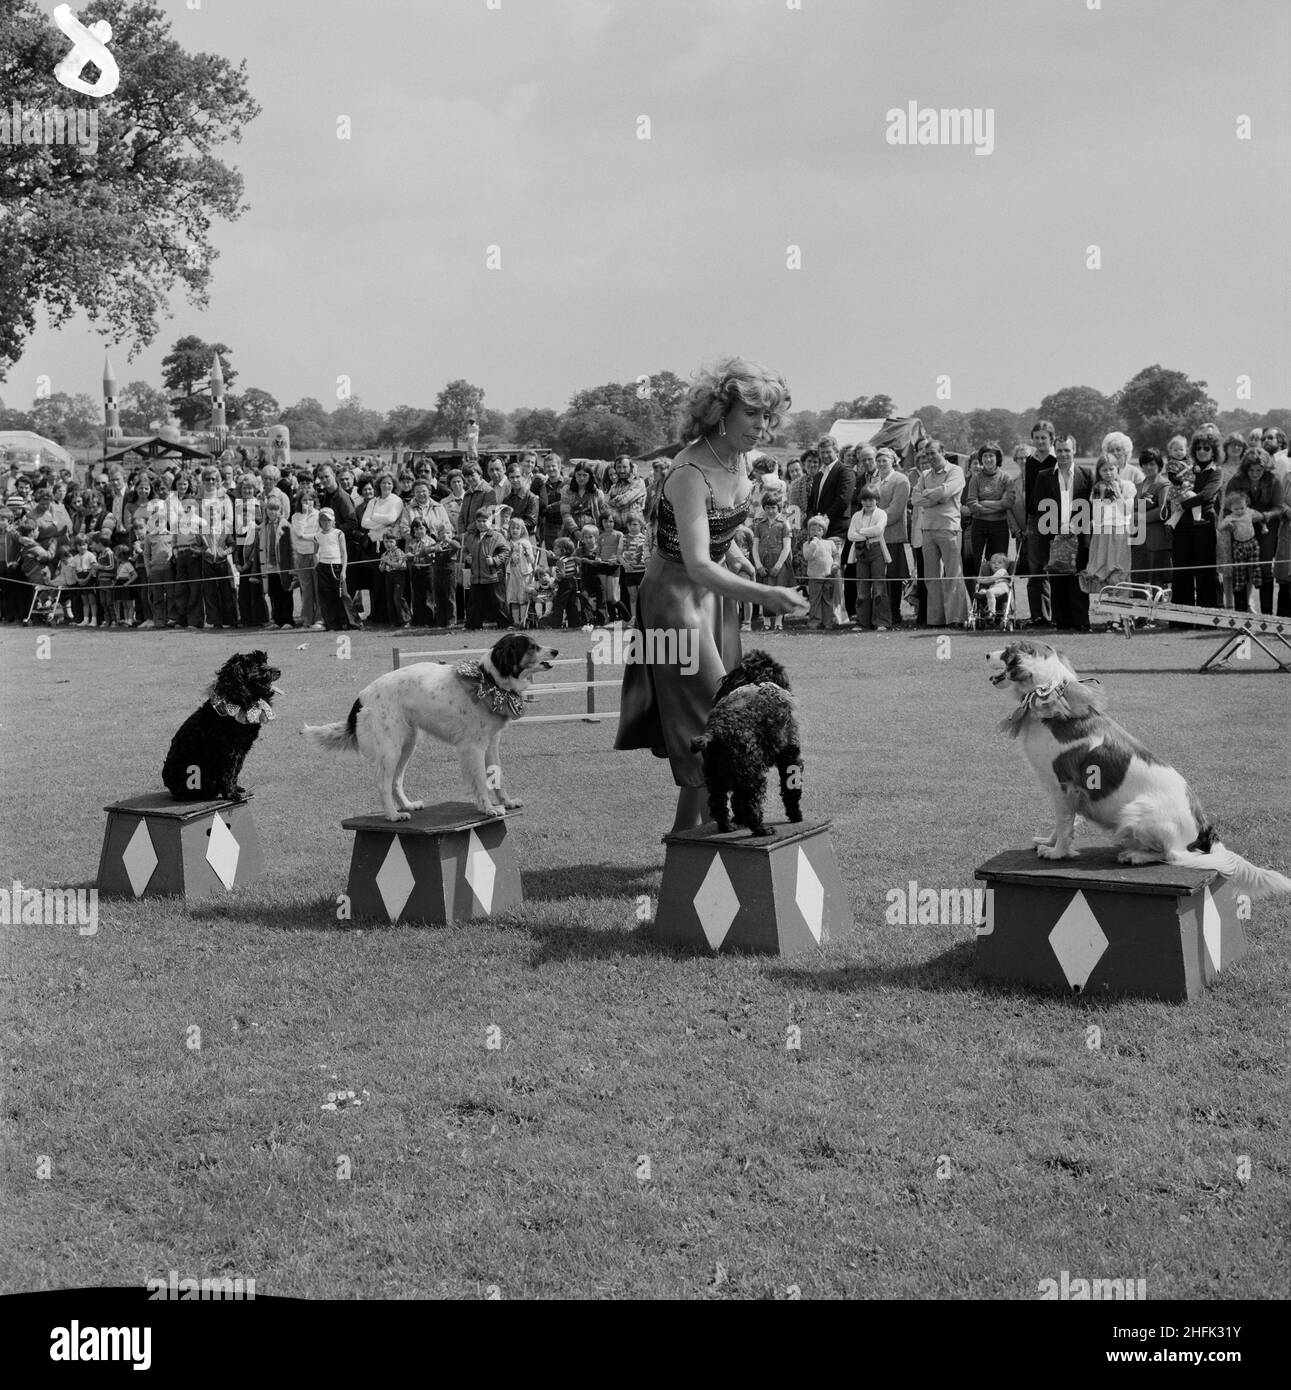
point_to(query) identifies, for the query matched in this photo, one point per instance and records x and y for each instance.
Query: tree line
(604, 421)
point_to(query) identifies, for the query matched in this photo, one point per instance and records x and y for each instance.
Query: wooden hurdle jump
(591, 685)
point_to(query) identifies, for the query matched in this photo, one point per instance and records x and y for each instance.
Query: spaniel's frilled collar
(259, 713)
(507, 703)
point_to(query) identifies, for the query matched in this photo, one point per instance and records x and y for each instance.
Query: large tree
(668, 391)
(805, 427)
(536, 427)
(140, 405)
(407, 425)
(999, 426)
(111, 231)
(458, 401)
(67, 419)
(185, 372)
(1159, 402)
(1082, 412)
(601, 434)
(258, 408)
(352, 426)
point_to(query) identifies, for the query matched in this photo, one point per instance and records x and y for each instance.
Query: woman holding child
(696, 578)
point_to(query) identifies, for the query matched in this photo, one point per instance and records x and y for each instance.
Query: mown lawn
(643, 1129)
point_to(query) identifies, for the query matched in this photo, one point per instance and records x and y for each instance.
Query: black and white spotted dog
(468, 707)
(751, 729)
(1092, 767)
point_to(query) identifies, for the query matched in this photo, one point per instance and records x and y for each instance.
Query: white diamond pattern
(481, 872)
(810, 895)
(222, 852)
(1078, 941)
(716, 903)
(395, 880)
(1210, 929)
(140, 859)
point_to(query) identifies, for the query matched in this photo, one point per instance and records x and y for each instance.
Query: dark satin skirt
(665, 706)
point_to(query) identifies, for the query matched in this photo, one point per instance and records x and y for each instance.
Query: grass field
(643, 1129)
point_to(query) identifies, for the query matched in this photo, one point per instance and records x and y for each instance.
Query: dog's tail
(1250, 878)
(341, 737)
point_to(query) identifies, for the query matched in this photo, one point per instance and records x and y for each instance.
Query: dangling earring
(721, 427)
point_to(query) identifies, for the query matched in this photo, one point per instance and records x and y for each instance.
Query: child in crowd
(993, 585)
(1111, 506)
(546, 586)
(591, 568)
(823, 558)
(611, 552)
(33, 559)
(772, 550)
(87, 592)
(521, 569)
(393, 567)
(69, 582)
(1245, 568)
(636, 551)
(421, 560)
(124, 576)
(443, 578)
(743, 538)
(1182, 476)
(870, 556)
(567, 599)
(488, 553)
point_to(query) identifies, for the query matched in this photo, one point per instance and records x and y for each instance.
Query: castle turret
(111, 409)
(219, 428)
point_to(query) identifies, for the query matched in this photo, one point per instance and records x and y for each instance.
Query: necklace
(733, 467)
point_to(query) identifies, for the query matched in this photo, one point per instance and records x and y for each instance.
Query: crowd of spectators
(876, 541)
(511, 540)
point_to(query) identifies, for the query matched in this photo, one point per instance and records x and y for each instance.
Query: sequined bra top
(723, 522)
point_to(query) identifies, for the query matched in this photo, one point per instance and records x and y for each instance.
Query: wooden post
(591, 685)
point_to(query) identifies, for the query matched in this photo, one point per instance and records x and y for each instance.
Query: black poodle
(751, 729)
(206, 755)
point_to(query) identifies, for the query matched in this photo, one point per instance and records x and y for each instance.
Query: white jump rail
(1125, 602)
(591, 685)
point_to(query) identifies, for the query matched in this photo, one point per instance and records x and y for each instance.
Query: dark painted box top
(1096, 869)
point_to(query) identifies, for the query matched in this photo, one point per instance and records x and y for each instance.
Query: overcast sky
(517, 126)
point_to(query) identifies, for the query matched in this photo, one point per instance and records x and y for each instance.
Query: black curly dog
(206, 755)
(751, 729)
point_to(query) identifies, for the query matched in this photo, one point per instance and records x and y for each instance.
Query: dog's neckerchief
(1039, 695)
(259, 713)
(508, 703)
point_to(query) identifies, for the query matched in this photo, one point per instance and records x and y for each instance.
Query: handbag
(1062, 555)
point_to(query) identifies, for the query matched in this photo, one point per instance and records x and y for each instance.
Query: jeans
(871, 588)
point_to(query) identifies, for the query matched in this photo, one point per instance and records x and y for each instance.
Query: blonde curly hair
(714, 391)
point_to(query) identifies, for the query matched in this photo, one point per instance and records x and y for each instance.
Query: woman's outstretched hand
(786, 601)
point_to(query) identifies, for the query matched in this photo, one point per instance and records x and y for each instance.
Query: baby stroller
(46, 604)
(986, 610)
